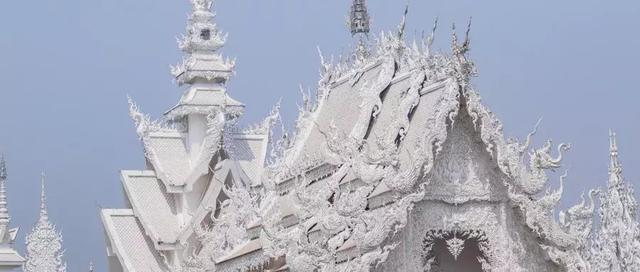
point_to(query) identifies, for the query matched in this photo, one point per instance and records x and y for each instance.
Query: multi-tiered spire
(44, 243)
(203, 67)
(616, 246)
(201, 43)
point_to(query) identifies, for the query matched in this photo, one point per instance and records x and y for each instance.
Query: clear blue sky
(67, 66)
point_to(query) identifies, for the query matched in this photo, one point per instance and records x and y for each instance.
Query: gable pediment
(464, 170)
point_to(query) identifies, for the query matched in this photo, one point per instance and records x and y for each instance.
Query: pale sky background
(67, 66)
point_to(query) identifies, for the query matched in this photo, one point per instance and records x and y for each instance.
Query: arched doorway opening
(454, 251)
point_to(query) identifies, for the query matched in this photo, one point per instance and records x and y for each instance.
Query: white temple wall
(197, 132)
(194, 197)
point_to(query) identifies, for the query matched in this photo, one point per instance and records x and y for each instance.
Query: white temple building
(10, 259)
(395, 165)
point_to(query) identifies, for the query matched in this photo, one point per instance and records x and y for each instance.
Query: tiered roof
(392, 129)
(170, 202)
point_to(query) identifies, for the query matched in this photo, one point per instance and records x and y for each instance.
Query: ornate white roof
(397, 166)
(194, 155)
(409, 137)
(128, 242)
(204, 100)
(153, 206)
(165, 145)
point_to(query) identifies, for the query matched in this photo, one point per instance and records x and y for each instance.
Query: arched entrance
(454, 251)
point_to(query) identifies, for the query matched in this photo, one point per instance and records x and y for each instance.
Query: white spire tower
(9, 258)
(206, 73)
(44, 243)
(201, 43)
(616, 245)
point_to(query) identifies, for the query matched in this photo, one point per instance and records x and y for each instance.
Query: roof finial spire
(431, 37)
(3, 168)
(460, 50)
(403, 24)
(43, 200)
(359, 18)
(201, 42)
(614, 166)
(4, 210)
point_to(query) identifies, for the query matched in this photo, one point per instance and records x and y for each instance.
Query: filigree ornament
(44, 243)
(616, 243)
(358, 201)
(455, 246)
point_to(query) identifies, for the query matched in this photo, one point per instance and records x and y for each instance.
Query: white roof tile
(171, 157)
(134, 250)
(155, 207)
(250, 151)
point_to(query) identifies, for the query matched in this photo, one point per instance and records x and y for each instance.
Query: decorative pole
(5, 219)
(359, 24)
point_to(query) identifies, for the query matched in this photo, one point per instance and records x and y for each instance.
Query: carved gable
(466, 221)
(464, 171)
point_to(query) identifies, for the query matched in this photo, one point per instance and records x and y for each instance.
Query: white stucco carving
(394, 165)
